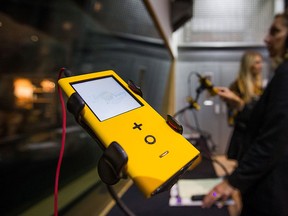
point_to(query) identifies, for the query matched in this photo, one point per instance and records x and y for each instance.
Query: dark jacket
(262, 173)
(239, 121)
(235, 145)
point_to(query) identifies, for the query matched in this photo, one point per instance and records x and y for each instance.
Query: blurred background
(158, 45)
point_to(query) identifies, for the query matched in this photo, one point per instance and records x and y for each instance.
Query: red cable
(63, 139)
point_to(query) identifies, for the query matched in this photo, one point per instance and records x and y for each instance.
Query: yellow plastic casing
(157, 155)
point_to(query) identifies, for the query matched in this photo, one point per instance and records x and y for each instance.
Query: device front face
(157, 155)
(105, 97)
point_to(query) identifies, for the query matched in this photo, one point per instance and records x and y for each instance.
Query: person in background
(248, 87)
(261, 175)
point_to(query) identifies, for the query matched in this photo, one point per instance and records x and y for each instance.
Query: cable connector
(66, 72)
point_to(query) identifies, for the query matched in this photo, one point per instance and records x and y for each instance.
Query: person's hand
(220, 193)
(230, 98)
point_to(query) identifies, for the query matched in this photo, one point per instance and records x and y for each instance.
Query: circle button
(149, 139)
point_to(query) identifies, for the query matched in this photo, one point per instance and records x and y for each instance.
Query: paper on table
(181, 193)
(189, 187)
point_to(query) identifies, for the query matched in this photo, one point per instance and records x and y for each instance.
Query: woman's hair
(249, 84)
(277, 60)
(283, 15)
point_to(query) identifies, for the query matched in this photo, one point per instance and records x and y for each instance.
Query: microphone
(193, 103)
(205, 83)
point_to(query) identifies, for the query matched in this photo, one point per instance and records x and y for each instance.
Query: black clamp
(113, 161)
(136, 89)
(174, 124)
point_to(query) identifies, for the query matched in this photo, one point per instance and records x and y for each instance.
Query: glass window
(39, 37)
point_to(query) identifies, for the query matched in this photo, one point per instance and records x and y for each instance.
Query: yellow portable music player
(157, 154)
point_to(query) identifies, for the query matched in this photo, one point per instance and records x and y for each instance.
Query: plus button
(137, 126)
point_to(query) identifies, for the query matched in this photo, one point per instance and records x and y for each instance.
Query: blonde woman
(247, 88)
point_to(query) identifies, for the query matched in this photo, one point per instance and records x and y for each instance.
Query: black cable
(119, 202)
(182, 110)
(222, 166)
(196, 120)
(218, 162)
(189, 81)
(203, 133)
(198, 90)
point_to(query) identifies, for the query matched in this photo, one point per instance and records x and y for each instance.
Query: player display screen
(106, 97)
